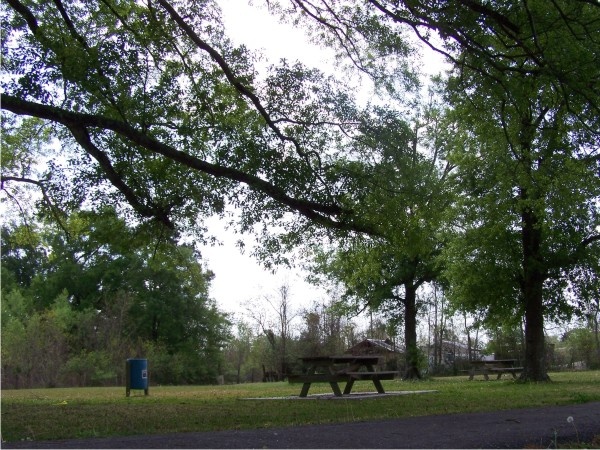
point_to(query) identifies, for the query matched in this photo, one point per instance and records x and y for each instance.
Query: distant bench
(495, 366)
(331, 373)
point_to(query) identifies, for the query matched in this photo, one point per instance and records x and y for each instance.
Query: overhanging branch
(324, 214)
(82, 137)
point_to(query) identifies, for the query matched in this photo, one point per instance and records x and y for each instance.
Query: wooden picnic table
(334, 369)
(494, 366)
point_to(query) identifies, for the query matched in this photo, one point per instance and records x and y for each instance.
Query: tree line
(274, 332)
(77, 302)
(487, 184)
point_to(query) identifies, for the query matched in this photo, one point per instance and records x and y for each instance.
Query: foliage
(155, 111)
(100, 295)
(325, 331)
(237, 354)
(582, 348)
(509, 38)
(506, 342)
(526, 128)
(526, 166)
(400, 186)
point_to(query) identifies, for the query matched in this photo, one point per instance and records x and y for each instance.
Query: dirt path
(533, 428)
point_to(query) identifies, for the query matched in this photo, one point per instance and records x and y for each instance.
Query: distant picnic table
(494, 366)
(340, 368)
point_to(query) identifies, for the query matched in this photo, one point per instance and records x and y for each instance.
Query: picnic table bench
(494, 366)
(342, 368)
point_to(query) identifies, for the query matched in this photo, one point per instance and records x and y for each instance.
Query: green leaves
(97, 291)
(173, 117)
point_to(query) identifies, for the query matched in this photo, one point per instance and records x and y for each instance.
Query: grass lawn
(42, 414)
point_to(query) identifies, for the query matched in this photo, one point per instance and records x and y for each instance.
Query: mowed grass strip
(45, 414)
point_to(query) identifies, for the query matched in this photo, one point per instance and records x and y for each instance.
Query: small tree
(581, 347)
(400, 186)
(237, 351)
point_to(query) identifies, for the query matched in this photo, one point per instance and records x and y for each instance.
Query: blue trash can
(136, 375)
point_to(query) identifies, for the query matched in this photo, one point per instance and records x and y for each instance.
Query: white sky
(239, 278)
(257, 29)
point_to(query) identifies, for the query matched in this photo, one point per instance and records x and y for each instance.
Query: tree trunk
(595, 325)
(441, 335)
(469, 342)
(535, 349)
(410, 333)
(532, 290)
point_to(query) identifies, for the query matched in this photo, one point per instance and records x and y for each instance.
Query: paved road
(534, 428)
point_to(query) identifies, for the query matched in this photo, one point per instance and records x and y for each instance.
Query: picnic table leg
(349, 385)
(378, 385)
(376, 380)
(304, 390)
(306, 386)
(336, 389)
(499, 375)
(471, 374)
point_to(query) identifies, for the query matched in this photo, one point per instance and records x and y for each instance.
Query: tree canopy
(98, 292)
(154, 110)
(172, 116)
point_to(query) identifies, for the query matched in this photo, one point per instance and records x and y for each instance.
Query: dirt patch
(351, 396)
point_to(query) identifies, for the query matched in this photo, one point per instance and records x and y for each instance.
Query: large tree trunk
(410, 333)
(535, 348)
(532, 290)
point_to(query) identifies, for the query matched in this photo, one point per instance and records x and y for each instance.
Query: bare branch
(55, 211)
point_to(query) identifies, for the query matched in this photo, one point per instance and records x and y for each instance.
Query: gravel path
(532, 428)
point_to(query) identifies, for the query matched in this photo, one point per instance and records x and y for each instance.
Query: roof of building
(386, 345)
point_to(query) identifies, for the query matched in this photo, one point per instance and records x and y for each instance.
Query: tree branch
(233, 80)
(25, 13)
(82, 137)
(40, 184)
(589, 240)
(320, 213)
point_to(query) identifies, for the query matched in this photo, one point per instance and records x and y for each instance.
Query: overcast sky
(239, 278)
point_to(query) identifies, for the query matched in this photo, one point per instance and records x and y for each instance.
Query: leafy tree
(506, 342)
(527, 165)
(238, 349)
(107, 292)
(513, 63)
(402, 190)
(212, 133)
(581, 347)
(157, 109)
(536, 38)
(325, 331)
(34, 345)
(584, 287)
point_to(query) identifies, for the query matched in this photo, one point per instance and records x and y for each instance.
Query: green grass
(42, 414)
